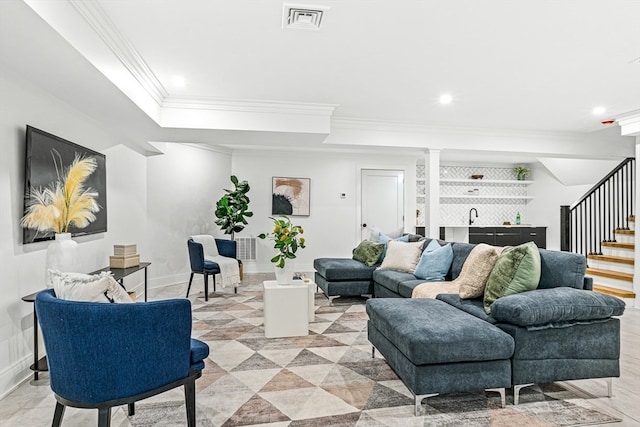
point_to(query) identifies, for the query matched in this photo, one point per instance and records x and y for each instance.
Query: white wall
(183, 187)
(333, 228)
(548, 195)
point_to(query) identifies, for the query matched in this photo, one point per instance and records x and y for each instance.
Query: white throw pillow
(86, 287)
(402, 256)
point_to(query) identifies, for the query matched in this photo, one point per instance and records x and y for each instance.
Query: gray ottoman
(343, 277)
(435, 348)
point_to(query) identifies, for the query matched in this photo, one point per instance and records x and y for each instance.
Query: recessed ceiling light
(446, 98)
(178, 81)
(599, 111)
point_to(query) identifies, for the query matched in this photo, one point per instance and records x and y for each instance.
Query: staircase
(612, 272)
(601, 226)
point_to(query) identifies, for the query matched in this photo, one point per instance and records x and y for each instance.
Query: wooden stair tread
(618, 245)
(610, 274)
(620, 293)
(611, 258)
(625, 232)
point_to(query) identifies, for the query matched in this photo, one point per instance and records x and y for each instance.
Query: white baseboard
(15, 375)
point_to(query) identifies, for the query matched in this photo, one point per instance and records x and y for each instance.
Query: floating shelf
(483, 181)
(464, 196)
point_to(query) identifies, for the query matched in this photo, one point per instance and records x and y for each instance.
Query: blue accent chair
(199, 265)
(102, 355)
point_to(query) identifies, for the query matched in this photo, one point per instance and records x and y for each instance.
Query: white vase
(62, 255)
(284, 276)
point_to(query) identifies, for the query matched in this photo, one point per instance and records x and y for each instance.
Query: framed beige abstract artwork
(290, 196)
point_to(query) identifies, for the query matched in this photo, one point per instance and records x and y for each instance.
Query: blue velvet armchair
(199, 265)
(102, 355)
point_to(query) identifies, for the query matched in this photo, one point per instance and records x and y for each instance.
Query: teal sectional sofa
(560, 331)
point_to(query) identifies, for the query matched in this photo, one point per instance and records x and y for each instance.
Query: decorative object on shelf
(290, 196)
(473, 192)
(62, 255)
(477, 176)
(518, 218)
(124, 256)
(231, 209)
(287, 240)
(522, 172)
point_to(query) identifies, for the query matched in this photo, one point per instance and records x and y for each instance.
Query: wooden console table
(40, 364)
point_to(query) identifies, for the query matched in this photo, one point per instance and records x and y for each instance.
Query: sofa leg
(609, 386)
(418, 400)
(516, 392)
(503, 395)
(373, 352)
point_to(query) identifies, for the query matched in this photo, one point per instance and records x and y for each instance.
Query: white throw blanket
(229, 270)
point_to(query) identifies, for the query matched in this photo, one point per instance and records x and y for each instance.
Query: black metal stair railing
(606, 207)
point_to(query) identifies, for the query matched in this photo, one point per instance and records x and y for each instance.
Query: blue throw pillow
(383, 238)
(435, 262)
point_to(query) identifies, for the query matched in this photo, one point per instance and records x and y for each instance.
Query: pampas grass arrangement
(65, 202)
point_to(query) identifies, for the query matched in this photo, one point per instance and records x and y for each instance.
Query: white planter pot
(284, 276)
(62, 255)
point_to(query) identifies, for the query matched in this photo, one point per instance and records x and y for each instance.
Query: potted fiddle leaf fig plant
(232, 208)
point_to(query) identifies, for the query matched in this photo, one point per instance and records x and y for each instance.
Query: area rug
(328, 378)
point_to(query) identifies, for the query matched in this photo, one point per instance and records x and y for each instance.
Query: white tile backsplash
(455, 210)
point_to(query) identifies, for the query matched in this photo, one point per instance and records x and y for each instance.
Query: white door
(382, 200)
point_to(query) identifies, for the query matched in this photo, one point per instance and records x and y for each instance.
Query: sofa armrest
(587, 283)
(555, 305)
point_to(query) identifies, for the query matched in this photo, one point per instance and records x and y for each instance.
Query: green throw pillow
(516, 270)
(368, 252)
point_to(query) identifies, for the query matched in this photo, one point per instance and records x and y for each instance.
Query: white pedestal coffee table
(288, 309)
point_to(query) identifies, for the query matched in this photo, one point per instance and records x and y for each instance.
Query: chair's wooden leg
(189, 287)
(190, 401)
(206, 286)
(131, 409)
(104, 417)
(235, 290)
(58, 414)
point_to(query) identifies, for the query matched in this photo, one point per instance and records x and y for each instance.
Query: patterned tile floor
(325, 378)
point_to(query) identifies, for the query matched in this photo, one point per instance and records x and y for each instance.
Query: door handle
(364, 225)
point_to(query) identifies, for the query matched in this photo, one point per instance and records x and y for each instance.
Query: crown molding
(106, 29)
(629, 123)
(434, 129)
(249, 105)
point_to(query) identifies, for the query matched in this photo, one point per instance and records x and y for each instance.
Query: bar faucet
(471, 219)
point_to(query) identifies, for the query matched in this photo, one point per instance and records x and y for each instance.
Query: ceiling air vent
(303, 17)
